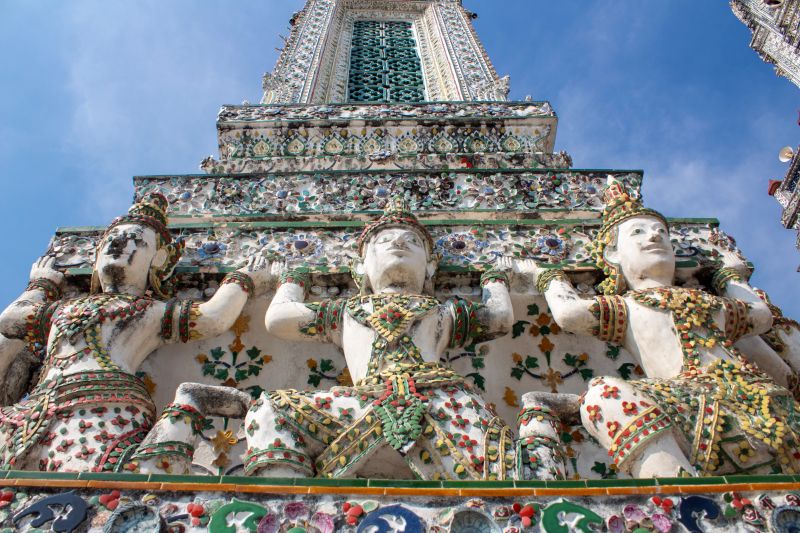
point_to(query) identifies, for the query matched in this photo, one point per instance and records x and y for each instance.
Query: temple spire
(383, 51)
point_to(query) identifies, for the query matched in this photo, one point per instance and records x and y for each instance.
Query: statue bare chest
(654, 340)
(429, 333)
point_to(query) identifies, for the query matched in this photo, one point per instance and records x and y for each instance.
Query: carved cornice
(493, 193)
(330, 247)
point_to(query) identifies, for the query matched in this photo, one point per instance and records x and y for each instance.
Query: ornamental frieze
(466, 190)
(388, 160)
(443, 111)
(368, 142)
(218, 248)
(220, 508)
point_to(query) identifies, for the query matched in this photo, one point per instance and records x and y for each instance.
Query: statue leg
(169, 447)
(462, 439)
(639, 436)
(540, 452)
(287, 430)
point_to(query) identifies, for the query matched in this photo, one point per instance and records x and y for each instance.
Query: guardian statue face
(643, 250)
(396, 256)
(126, 253)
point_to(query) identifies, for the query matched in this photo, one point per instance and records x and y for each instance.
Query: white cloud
(146, 83)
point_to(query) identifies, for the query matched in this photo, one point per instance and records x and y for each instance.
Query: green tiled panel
(384, 64)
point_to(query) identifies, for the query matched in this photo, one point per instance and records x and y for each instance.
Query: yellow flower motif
(546, 345)
(510, 397)
(241, 326)
(222, 461)
(223, 441)
(236, 345)
(344, 378)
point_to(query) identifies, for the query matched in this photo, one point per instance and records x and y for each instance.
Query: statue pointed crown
(151, 211)
(620, 206)
(396, 214)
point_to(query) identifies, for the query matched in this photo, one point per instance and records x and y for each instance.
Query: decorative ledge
(449, 111)
(129, 502)
(581, 487)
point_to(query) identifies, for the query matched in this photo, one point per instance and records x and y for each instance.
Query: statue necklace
(391, 317)
(86, 316)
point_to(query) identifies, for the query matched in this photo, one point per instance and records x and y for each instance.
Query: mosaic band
(51, 290)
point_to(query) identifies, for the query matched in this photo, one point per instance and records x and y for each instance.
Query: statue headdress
(620, 206)
(396, 214)
(151, 211)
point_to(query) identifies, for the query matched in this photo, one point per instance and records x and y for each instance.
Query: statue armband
(242, 280)
(188, 313)
(611, 313)
(722, 277)
(328, 319)
(494, 276)
(168, 320)
(547, 277)
(187, 317)
(298, 277)
(50, 289)
(467, 329)
(737, 319)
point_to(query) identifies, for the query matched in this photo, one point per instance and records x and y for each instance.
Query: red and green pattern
(51, 290)
(187, 320)
(27, 424)
(242, 280)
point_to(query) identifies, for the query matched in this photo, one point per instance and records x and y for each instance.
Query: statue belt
(424, 375)
(97, 387)
(27, 422)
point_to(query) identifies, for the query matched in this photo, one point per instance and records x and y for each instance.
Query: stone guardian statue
(89, 411)
(703, 409)
(408, 414)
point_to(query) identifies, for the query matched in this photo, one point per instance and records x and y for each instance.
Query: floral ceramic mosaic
(35, 510)
(330, 250)
(471, 190)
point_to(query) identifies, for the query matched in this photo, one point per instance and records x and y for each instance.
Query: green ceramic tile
(110, 476)
(531, 484)
(405, 483)
(17, 474)
(691, 480)
(478, 484)
(319, 482)
(650, 482)
(566, 484)
(774, 478)
(248, 480)
(163, 478)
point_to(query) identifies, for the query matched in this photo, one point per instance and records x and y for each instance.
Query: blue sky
(94, 92)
